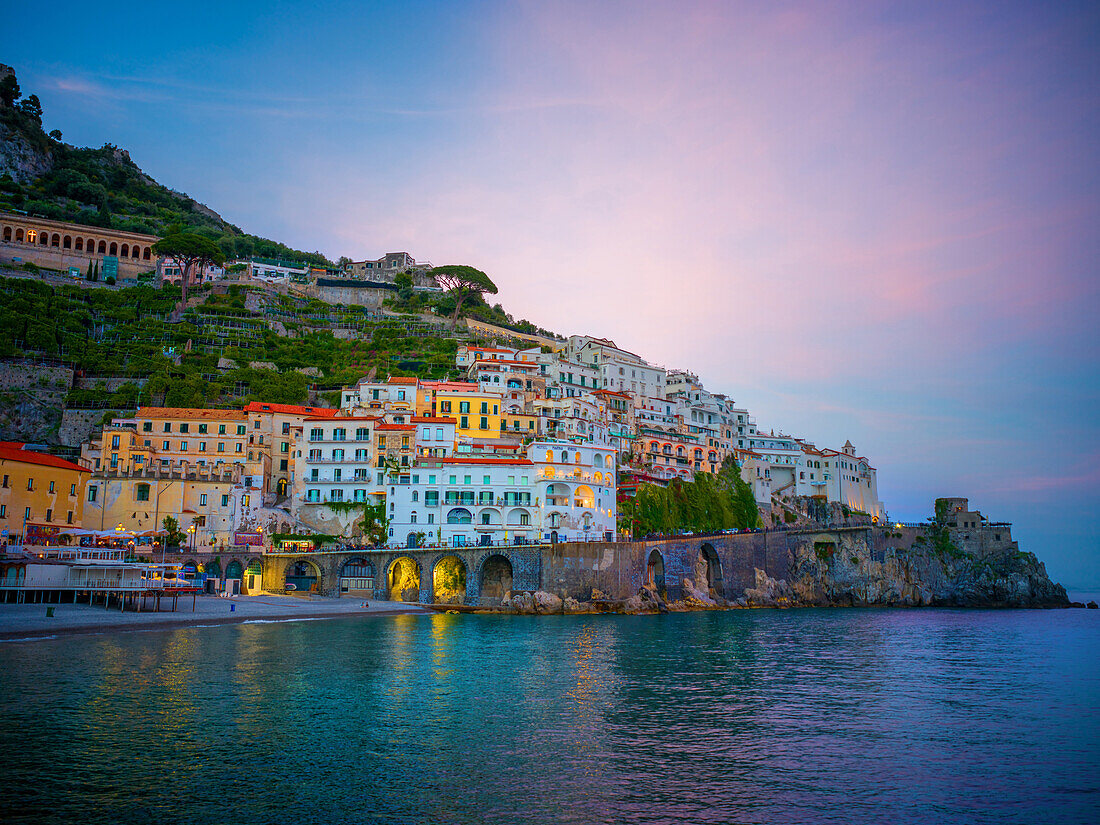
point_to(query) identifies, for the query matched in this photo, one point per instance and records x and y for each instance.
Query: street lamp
(118, 535)
(191, 530)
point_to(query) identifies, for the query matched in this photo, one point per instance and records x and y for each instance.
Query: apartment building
(38, 491)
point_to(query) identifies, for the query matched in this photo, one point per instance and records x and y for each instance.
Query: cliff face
(22, 158)
(969, 574)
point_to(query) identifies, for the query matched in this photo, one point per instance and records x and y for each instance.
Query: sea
(751, 716)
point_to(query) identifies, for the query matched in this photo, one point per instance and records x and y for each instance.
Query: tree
(189, 250)
(375, 524)
(463, 282)
(9, 90)
(343, 261)
(175, 536)
(32, 108)
(56, 134)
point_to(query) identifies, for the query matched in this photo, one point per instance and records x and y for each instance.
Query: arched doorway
(708, 571)
(655, 572)
(234, 573)
(449, 581)
(303, 577)
(357, 576)
(281, 486)
(404, 581)
(253, 575)
(412, 540)
(496, 579)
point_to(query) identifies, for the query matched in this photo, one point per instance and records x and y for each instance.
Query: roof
(383, 427)
(8, 453)
(402, 380)
(474, 460)
(432, 419)
(290, 409)
(453, 386)
(190, 412)
(333, 418)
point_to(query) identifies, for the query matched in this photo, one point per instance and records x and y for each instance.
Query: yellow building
(477, 412)
(39, 490)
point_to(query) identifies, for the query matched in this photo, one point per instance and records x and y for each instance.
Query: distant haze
(865, 221)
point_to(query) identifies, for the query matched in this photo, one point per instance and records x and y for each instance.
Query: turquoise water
(751, 716)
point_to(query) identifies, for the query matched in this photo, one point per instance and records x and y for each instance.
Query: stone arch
(124, 252)
(655, 571)
(55, 240)
(403, 580)
(114, 248)
(449, 580)
(67, 242)
(708, 570)
(102, 247)
(253, 575)
(19, 235)
(135, 252)
(303, 574)
(145, 254)
(7, 234)
(459, 515)
(357, 576)
(494, 576)
(79, 244)
(190, 569)
(234, 570)
(43, 238)
(89, 246)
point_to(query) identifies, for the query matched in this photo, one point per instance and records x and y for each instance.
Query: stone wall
(32, 396)
(77, 426)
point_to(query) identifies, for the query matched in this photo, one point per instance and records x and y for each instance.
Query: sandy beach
(29, 621)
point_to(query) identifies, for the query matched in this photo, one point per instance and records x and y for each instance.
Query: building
(386, 267)
(40, 491)
(477, 412)
(620, 369)
(334, 470)
(435, 435)
(170, 271)
(275, 271)
(576, 490)
(73, 247)
(271, 432)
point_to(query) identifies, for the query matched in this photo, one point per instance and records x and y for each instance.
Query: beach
(30, 621)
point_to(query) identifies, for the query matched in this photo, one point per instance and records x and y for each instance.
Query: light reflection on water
(751, 716)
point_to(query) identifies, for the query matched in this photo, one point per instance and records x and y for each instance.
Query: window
(431, 498)
(202, 429)
(49, 514)
(72, 489)
(115, 442)
(3, 511)
(484, 423)
(225, 500)
(221, 446)
(147, 426)
(241, 429)
(166, 446)
(339, 434)
(27, 513)
(183, 427)
(282, 465)
(30, 484)
(92, 492)
(362, 434)
(246, 498)
(464, 422)
(286, 428)
(51, 486)
(69, 517)
(221, 429)
(183, 445)
(240, 447)
(284, 447)
(168, 426)
(202, 499)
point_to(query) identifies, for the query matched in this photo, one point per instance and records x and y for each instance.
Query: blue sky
(864, 221)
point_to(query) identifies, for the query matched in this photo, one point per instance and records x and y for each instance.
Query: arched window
(89, 245)
(19, 236)
(102, 247)
(459, 515)
(7, 234)
(564, 457)
(550, 455)
(145, 254)
(134, 252)
(597, 460)
(416, 496)
(67, 243)
(577, 458)
(113, 248)
(43, 238)
(79, 245)
(55, 240)
(125, 251)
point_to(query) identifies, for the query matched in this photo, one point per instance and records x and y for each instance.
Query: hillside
(42, 175)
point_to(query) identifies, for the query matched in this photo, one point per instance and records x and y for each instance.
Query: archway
(212, 569)
(708, 570)
(253, 574)
(404, 581)
(655, 572)
(357, 576)
(234, 570)
(281, 486)
(449, 581)
(412, 540)
(496, 579)
(303, 576)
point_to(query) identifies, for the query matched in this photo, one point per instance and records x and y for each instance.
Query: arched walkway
(449, 581)
(357, 576)
(495, 580)
(655, 572)
(403, 581)
(708, 571)
(303, 576)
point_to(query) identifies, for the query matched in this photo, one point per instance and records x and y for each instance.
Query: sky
(865, 221)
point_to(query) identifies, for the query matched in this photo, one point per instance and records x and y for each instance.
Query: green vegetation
(190, 251)
(939, 532)
(176, 536)
(462, 282)
(103, 187)
(707, 504)
(127, 333)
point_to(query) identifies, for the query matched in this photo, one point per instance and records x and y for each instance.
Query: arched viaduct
(724, 564)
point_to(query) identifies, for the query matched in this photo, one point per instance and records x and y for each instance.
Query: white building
(333, 461)
(620, 369)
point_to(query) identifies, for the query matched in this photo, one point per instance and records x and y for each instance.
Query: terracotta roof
(42, 459)
(455, 386)
(402, 380)
(344, 418)
(383, 427)
(188, 412)
(433, 419)
(290, 409)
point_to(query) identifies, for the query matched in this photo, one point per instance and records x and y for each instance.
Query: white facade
(333, 461)
(435, 435)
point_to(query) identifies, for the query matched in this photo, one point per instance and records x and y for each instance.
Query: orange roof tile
(402, 380)
(42, 459)
(433, 419)
(290, 409)
(189, 412)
